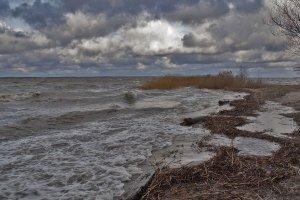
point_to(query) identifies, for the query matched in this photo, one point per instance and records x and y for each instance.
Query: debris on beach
(223, 102)
(226, 176)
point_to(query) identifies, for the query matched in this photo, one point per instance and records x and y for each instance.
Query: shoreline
(177, 183)
(183, 150)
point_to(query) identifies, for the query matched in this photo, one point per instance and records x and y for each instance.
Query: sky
(140, 38)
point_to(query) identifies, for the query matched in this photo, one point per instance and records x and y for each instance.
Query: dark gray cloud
(45, 13)
(196, 13)
(4, 8)
(247, 6)
(39, 14)
(190, 40)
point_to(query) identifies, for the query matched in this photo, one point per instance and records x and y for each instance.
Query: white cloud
(252, 55)
(80, 24)
(165, 62)
(147, 38)
(141, 66)
(14, 40)
(77, 25)
(21, 68)
(40, 40)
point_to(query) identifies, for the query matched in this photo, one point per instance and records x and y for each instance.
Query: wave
(18, 97)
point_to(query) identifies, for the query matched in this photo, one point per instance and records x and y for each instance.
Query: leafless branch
(285, 15)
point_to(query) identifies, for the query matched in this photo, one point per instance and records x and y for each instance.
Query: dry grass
(225, 80)
(226, 176)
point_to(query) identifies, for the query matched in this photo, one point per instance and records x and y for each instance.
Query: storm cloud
(96, 37)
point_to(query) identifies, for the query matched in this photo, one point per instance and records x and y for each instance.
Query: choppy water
(84, 138)
(283, 81)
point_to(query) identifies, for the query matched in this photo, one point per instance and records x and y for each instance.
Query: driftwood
(193, 120)
(223, 102)
(190, 121)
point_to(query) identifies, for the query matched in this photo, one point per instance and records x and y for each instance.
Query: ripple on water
(96, 159)
(82, 162)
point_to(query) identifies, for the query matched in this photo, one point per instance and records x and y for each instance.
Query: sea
(87, 138)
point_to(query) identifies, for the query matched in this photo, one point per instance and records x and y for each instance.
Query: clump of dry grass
(226, 176)
(224, 80)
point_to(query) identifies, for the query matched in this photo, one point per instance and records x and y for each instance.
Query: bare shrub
(285, 15)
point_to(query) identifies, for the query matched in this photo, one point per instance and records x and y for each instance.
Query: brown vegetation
(226, 176)
(224, 80)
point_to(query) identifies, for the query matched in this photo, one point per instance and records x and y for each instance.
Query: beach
(256, 146)
(106, 138)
